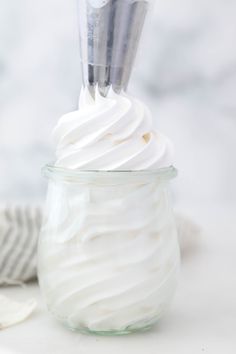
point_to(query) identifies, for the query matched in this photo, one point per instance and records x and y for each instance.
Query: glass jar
(108, 254)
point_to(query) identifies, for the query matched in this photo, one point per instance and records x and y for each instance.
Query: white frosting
(106, 264)
(108, 253)
(110, 133)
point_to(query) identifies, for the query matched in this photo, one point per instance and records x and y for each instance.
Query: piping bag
(109, 32)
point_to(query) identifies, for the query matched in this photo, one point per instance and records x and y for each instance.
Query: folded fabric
(19, 230)
(12, 312)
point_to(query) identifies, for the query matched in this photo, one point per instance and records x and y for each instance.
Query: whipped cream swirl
(110, 133)
(107, 265)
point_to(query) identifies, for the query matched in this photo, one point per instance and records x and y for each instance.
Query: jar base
(128, 330)
(111, 333)
(138, 327)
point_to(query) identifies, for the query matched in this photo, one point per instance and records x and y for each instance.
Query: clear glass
(108, 255)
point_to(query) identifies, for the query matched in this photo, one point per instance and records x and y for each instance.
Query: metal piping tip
(110, 31)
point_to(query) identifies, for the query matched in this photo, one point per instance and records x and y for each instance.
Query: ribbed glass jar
(108, 254)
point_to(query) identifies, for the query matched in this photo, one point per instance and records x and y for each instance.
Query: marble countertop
(202, 318)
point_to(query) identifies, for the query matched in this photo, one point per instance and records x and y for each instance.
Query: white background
(186, 72)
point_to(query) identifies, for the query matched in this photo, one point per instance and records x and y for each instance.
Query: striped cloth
(19, 229)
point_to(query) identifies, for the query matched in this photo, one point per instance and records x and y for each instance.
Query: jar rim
(66, 174)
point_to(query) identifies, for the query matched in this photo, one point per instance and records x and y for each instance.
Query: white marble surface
(202, 318)
(186, 72)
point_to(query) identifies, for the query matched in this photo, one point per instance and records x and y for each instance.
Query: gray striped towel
(19, 229)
